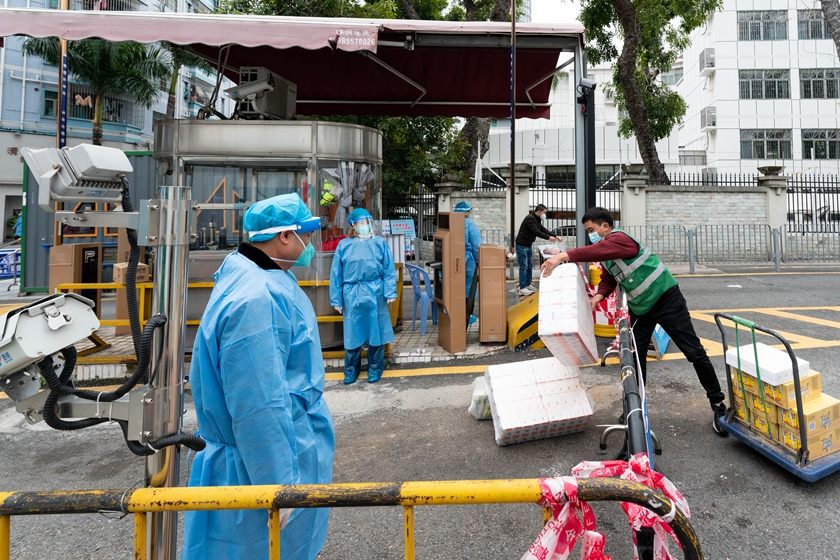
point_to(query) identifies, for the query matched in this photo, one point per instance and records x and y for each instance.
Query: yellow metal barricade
(407, 495)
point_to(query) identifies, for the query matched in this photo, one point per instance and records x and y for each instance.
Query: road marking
(443, 370)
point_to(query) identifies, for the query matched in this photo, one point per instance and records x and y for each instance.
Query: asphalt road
(417, 428)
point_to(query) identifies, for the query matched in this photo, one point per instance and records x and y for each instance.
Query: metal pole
(169, 297)
(61, 121)
(513, 125)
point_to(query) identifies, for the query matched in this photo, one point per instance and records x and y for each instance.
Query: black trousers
(671, 312)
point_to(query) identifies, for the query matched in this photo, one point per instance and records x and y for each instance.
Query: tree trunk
(476, 130)
(408, 8)
(635, 104)
(173, 88)
(831, 12)
(97, 121)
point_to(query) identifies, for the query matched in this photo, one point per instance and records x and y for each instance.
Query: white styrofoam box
(566, 325)
(774, 365)
(536, 399)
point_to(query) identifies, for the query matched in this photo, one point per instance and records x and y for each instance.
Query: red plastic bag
(332, 243)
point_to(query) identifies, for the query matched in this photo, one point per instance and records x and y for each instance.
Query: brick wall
(700, 205)
(489, 211)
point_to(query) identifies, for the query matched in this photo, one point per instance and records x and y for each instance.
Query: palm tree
(180, 57)
(126, 68)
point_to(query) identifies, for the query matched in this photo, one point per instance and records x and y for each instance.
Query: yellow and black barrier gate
(141, 501)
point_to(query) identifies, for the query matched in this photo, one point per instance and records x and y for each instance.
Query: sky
(554, 11)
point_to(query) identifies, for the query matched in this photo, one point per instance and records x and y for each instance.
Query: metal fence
(733, 244)
(669, 242)
(813, 203)
(560, 199)
(813, 247)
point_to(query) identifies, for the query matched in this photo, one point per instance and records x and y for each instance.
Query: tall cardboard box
(566, 325)
(75, 263)
(492, 299)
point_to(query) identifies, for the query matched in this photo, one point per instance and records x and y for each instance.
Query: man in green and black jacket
(653, 296)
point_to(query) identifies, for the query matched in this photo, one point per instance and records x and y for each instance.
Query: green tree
(653, 34)
(126, 68)
(179, 58)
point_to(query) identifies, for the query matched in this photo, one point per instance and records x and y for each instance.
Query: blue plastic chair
(424, 294)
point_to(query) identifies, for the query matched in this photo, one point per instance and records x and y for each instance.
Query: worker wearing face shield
(257, 379)
(363, 284)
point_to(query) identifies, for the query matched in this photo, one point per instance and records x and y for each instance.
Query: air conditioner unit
(263, 94)
(708, 118)
(707, 62)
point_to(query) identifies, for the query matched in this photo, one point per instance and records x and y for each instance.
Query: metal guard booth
(340, 67)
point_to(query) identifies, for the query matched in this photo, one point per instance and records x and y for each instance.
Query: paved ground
(413, 425)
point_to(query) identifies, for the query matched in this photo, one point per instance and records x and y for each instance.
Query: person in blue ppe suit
(472, 242)
(19, 226)
(363, 284)
(257, 379)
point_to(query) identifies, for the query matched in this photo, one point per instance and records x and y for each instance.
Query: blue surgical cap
(267, 218)
(358, 214)
(462, 207)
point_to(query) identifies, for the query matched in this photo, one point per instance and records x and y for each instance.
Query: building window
(762, 26)
(671, 77)
(50, 104)
(765, 144)
(819, 83)
(812, 25)
(820, 144)
(765, 84)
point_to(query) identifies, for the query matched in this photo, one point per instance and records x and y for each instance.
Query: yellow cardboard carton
(768, 409)
(821, 415)
(784, 395)
(768, 429)
(740, 411)
(819, 445)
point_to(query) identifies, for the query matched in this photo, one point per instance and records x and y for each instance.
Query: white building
(549, 145)
(761, 82)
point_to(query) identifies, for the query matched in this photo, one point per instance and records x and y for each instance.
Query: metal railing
(141, 501)
(669, 242)
(733, 244)
(813, 203)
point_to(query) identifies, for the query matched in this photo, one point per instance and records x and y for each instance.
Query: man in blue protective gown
(257, 379)
(363, 284)
(472, 240)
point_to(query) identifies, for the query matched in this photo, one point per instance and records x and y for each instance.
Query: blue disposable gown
(472, 241)
(257, 379)
(362, 278)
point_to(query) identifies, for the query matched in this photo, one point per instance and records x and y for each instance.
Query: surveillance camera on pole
(587, 85)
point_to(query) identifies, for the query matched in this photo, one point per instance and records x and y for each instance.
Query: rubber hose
(131, 274)
(45, 367)
(139, 373)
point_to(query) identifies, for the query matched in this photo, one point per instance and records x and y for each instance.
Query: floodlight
(83, 173)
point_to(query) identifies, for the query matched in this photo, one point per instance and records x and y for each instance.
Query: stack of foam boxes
(544, 398)
(776, 416)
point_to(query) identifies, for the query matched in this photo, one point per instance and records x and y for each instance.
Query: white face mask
(542, 217)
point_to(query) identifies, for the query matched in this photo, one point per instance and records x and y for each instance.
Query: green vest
(643, 278)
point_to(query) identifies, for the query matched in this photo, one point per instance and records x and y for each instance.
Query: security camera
(588, 85)
(251, 90)
(83, 173)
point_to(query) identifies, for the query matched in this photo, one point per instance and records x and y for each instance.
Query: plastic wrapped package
(480, 405)
(566, 325)
(536, 399)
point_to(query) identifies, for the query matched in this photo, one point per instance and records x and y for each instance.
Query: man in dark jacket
(530, 229)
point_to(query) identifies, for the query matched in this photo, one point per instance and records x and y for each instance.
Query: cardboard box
(771, 429)
(819, 445)
(120, 270)
(821, 415)
(784, 395)
(740, 409)
(768, 410)
(536, 399)
(774, 365)
(566, 325)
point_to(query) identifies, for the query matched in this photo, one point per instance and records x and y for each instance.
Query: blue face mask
(594, 237)
(364, 231)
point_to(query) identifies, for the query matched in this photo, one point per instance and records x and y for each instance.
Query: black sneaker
(719, 412)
